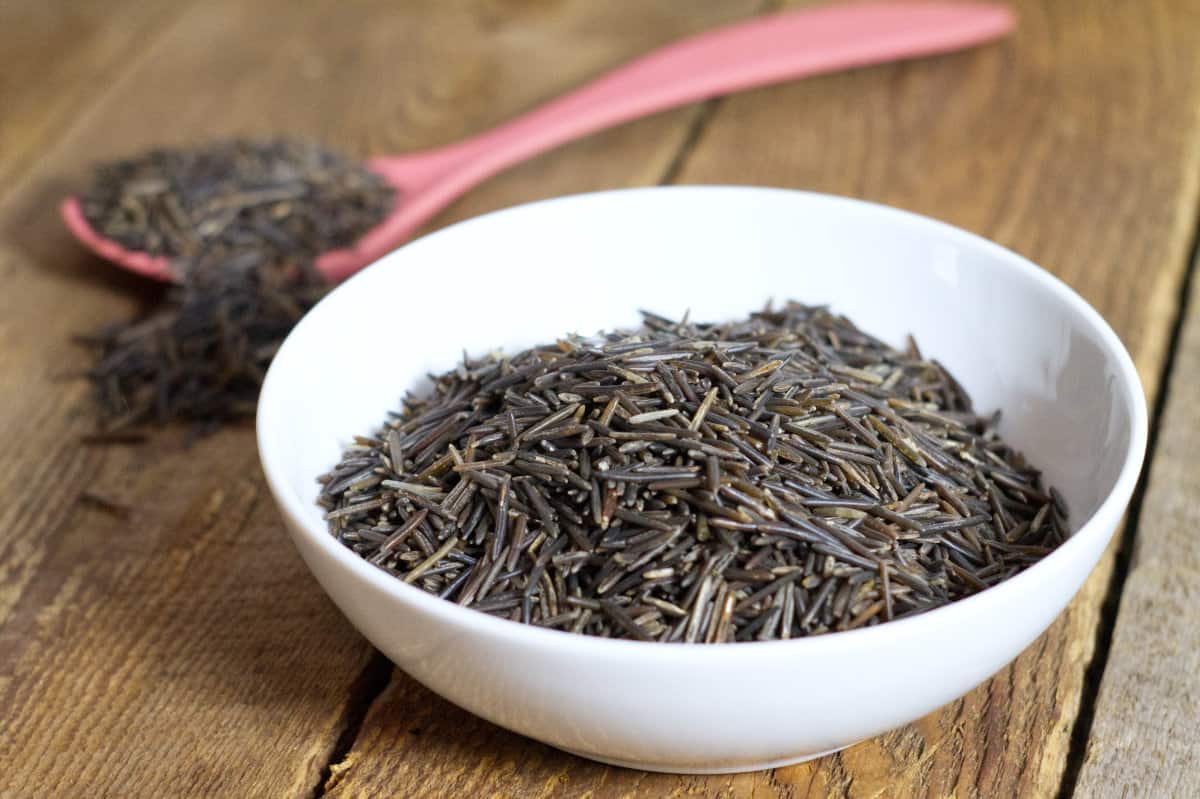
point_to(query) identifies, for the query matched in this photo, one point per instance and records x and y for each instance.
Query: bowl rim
(827, 644)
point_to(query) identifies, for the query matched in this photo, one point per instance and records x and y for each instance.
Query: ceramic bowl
(1015, 336)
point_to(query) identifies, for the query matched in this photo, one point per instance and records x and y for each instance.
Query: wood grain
(58, 58)
(184, 651)
(1143, 738)
(181, 651)
(1055, 144)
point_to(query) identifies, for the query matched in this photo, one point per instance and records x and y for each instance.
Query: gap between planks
(1109, 614)
(367, 687)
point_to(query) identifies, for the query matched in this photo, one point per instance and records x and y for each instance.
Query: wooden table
(182, 649)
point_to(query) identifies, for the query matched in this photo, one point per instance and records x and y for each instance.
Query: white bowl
(1017, 338)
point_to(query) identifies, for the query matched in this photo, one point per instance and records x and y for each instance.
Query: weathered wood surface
(58, 58)
(182, 650)
(1145, 736)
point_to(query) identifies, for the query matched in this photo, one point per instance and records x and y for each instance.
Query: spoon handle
(758, 52)
(761, 51)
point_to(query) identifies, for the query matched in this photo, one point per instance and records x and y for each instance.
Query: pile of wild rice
(203, 354)
(242, 222)
(290, 198)
(777, 477)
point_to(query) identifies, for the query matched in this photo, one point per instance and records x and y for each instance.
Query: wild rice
(777, 477)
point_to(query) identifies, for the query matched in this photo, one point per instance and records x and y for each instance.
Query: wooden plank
(59, 57)
(1143, 739)
(183, 650)
(180, 651)
(57, 60)
(1076, 144)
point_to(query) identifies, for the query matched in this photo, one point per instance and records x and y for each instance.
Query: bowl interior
(1015, 337)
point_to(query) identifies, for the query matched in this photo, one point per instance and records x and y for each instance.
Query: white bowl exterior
(741, 708)
(1016, 337)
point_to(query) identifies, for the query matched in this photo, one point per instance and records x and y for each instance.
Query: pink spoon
(758, 52)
